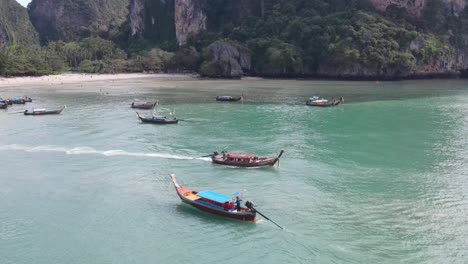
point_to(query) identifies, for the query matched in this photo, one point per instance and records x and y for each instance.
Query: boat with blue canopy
(214, 203)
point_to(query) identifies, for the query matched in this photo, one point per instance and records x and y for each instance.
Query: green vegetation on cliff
(335, 37)
(15, 26)
(278, 38)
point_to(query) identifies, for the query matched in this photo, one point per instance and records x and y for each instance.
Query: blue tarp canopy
(214, 196)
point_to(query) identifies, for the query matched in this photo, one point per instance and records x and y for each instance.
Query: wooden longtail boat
(316, 101)
(225, 98)
(43, 112)
(212, 202)
(17, 101)
(143, 105)
(244, 160)
(3, 104)
(160, 120)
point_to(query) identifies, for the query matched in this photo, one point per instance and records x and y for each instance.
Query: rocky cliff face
(226, 60)
(416, 7)
(74, 19)
(167, 20)
(137, 17)
(15, 26)
(3, 37)
(190, 18)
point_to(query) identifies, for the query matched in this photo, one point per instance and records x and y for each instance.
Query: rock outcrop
(74, 19)
(190, 18)
(137, 17)
(3, 38)
(226, 60)
(15, 26)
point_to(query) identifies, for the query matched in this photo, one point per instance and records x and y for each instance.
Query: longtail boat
(3, 104)
(213, 203)
(43, 112)
(244, 160)
(143, 105)
(321, 102)
(158, 119)
(17, 101)
(226, 98)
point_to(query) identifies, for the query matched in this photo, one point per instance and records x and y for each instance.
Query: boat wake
(92, 151)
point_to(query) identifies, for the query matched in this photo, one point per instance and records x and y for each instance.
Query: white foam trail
(92, 151)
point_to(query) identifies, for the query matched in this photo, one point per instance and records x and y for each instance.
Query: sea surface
(382, 178)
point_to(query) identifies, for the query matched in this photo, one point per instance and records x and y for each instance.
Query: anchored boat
(143, 105)
(226, 98)
(321, 102)
(213, 203)
(43, 112)
(158, 119)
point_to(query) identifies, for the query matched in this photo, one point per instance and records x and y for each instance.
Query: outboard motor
(215, 153)
(249, 205)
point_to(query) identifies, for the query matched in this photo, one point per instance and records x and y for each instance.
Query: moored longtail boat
(157, 119)
(17, 101)
(43, 112)
(244, 160)
(212, 202)
(3, 104)
(226, 98)
(143, 105)
(320, 102)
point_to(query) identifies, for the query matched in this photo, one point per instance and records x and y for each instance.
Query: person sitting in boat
(228, 206)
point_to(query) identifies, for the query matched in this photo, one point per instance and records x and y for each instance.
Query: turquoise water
(381, 178)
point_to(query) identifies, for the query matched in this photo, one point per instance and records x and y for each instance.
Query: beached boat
(321, 102)
(158, 119)
(43, 112)
(143, 105)
(17, 101)
(244, 160)
(3, 104)
(226, 98)
(213, 203)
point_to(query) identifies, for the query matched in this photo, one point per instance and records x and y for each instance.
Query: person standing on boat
(238, 203)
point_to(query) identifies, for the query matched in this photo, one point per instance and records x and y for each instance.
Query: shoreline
(75, 78)
(80, 78)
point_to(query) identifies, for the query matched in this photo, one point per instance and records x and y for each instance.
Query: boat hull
(158, 121)
(143, 106)
(233, 99)
(3, 106)
(267, 162)
(54, 112)
(329, 104)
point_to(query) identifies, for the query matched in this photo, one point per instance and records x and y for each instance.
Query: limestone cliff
(137, 17)
(15, 26)
(190, 18)
(74, 19)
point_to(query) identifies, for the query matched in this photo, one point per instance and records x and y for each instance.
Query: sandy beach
(72, 78)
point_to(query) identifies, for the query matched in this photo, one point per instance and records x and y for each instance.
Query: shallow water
(381, 178)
